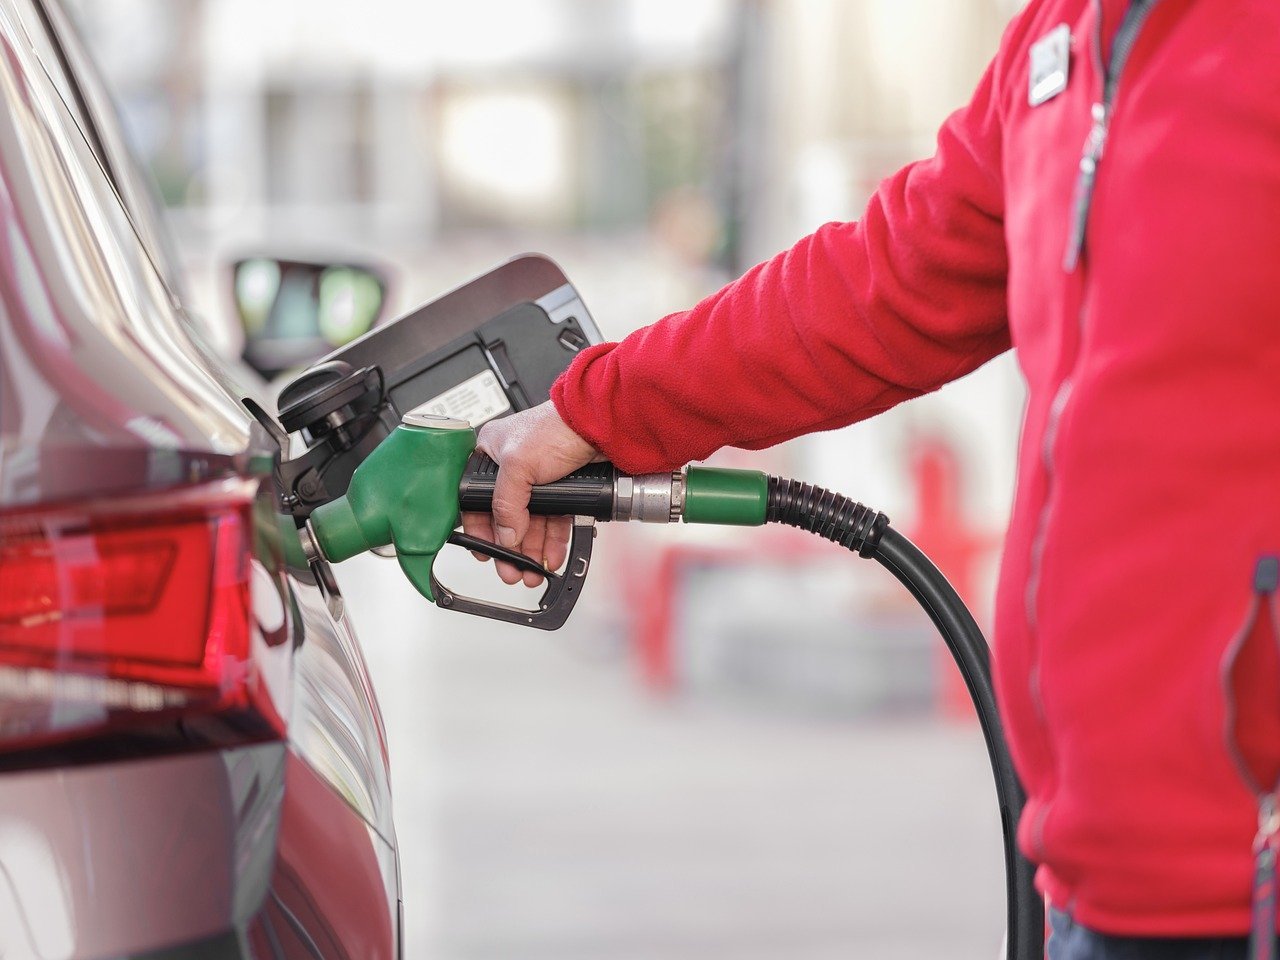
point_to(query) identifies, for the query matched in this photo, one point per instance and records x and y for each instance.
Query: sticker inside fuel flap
(475, 400)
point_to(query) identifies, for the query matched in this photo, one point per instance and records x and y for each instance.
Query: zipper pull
(1080, 203)
(1262, 935)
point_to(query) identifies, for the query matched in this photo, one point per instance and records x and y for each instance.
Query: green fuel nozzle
(409, 493)
(404, 495)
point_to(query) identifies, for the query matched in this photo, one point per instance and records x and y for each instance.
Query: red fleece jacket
(1149, 477)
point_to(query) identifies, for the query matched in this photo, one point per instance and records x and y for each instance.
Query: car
(192, 760)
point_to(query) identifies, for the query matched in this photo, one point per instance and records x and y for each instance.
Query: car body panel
(335, 724)
(248, 847)
(104, 387)
(327, 888)
(91, 856)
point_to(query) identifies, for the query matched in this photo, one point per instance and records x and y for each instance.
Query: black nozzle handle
(584, 493)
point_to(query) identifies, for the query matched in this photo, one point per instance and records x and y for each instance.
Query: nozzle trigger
(520, 561)
(558, 599)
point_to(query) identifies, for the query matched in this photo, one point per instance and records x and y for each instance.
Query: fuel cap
(324, 389)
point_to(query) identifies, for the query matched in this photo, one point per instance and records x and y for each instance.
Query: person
(1108, 205)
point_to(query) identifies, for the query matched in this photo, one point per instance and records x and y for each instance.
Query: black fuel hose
(867, 532)
(917, 573)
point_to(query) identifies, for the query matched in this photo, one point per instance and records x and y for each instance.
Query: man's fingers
(478, 525)
(511, 503)
(533, 547)
(509, 574)
(532, 446)
(483, 526)
(556, 546)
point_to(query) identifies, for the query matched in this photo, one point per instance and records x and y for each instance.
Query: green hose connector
(404, 494)
(719, 495)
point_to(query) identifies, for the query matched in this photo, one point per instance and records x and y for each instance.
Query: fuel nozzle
(408, 494)
(402, 495)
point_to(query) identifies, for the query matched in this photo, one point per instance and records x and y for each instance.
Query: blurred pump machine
(389, 422)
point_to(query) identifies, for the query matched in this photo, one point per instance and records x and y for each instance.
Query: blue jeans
(1070, 941)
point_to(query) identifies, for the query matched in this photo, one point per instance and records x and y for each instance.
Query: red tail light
(124, 614)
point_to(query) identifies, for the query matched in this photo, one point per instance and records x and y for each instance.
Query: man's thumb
(511, 505)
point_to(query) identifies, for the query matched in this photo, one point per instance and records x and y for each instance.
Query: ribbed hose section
(830, 515)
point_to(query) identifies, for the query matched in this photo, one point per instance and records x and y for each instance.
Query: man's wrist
(585, 414)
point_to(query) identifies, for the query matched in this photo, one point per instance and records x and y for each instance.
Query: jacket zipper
(1135, 17)
(1266, 846)
(1122, 45)
(1266, 842)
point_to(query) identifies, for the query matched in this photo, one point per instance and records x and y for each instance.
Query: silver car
(192, 762)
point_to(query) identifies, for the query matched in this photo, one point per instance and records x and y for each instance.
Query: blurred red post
(655, 606)
(942, 531)
(654, 613)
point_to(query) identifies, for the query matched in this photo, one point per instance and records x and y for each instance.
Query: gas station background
(638, 785)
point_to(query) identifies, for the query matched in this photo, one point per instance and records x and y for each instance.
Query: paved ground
(547, 808)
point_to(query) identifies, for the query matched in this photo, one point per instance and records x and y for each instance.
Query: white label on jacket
(1050, 65)
(476, 400)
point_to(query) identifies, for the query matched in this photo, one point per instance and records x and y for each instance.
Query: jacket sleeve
(852, 320)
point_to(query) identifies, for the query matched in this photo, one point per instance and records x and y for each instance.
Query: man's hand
(530, 447)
